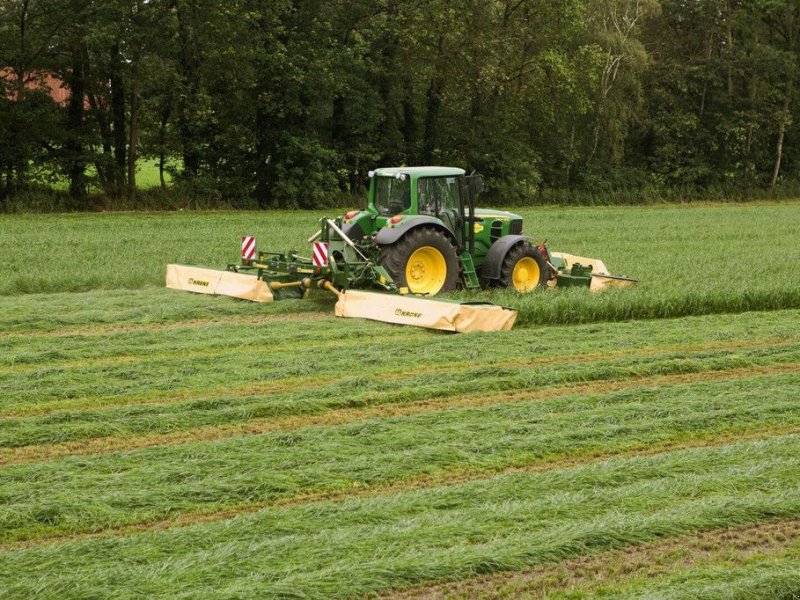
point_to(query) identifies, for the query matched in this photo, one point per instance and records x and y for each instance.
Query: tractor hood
(500, 215)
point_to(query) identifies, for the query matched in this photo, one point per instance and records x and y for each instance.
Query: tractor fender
(353, 231)
(497, 254)
(389, 235)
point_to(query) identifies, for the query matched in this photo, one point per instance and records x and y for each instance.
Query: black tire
(394, 258)
(522, 251)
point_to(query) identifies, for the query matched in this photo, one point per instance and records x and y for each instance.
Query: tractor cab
(446, 194)
(430, 236)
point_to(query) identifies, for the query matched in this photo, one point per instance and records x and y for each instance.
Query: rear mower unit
(419, 235)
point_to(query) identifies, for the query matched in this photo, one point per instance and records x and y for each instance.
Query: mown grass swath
(159, 443)
(718, 561)
(90, 493)
(153, 417)
(772, 575)
(506, 522)
(659, 567)
(150, 382)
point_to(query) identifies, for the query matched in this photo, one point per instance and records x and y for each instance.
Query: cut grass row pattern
(81, 494)
(708, 564)
(509, 522)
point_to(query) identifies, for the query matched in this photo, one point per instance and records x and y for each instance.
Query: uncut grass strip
(509, 522)
(397, 371)
(109, 444)
(607, 571)
(247, 404)
(619, 306)
(78, 494)
(422, 483)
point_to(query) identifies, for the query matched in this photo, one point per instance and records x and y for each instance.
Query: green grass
(179, 390)
(146, 176)
(767, 576)
(690, 260)
(157, 443)
(353, 547)
(123, 489)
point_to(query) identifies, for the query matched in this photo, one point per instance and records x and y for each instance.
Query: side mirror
(475, 183)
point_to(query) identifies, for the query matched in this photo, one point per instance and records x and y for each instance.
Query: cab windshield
(392, 195)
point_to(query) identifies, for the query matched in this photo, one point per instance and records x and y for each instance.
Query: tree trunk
(781, 134)
(709, 53)
(729, 35)
(570, 158)
(188, 67)
(133, 144)
(118, 119)
(105, 162)
(76, 161)
(166, 110)
(431, 134)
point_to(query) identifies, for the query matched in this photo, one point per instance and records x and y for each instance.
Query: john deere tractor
(419, 234)
(421, 226)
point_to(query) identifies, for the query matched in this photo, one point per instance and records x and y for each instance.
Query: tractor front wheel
(424, 260)
(524, 269)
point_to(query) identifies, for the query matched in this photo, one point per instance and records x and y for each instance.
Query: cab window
(435, 194)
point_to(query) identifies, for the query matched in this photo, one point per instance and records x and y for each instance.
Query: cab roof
(420, 171)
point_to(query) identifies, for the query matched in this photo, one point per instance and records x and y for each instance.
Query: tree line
(289, 103)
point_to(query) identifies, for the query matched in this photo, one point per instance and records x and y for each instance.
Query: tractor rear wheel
(424, 260)
(524, 268)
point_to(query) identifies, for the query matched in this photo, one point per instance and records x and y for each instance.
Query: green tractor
(419, 235)
(421, 226)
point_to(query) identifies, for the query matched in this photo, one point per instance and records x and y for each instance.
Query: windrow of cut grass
(119, 443)
(657, 566)
(35, 357)
(66, 403)
(293, 399)
(508, 522)
(690, 259)
(207, 323)
(771, 575)
(84, 494)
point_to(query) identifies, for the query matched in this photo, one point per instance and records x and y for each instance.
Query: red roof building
(45, 82)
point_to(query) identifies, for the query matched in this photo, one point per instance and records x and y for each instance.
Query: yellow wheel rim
(426, 271)
(526, 274)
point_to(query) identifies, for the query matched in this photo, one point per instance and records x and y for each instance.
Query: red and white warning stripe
(248, 247)
(320, 251)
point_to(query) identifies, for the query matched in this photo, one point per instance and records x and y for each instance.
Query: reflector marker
(320, 250)
(248, 247)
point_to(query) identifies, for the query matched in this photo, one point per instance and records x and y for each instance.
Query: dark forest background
(280, 103)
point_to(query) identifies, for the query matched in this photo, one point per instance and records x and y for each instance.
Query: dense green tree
(288, 103)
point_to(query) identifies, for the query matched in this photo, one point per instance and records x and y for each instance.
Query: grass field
(640, 443)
